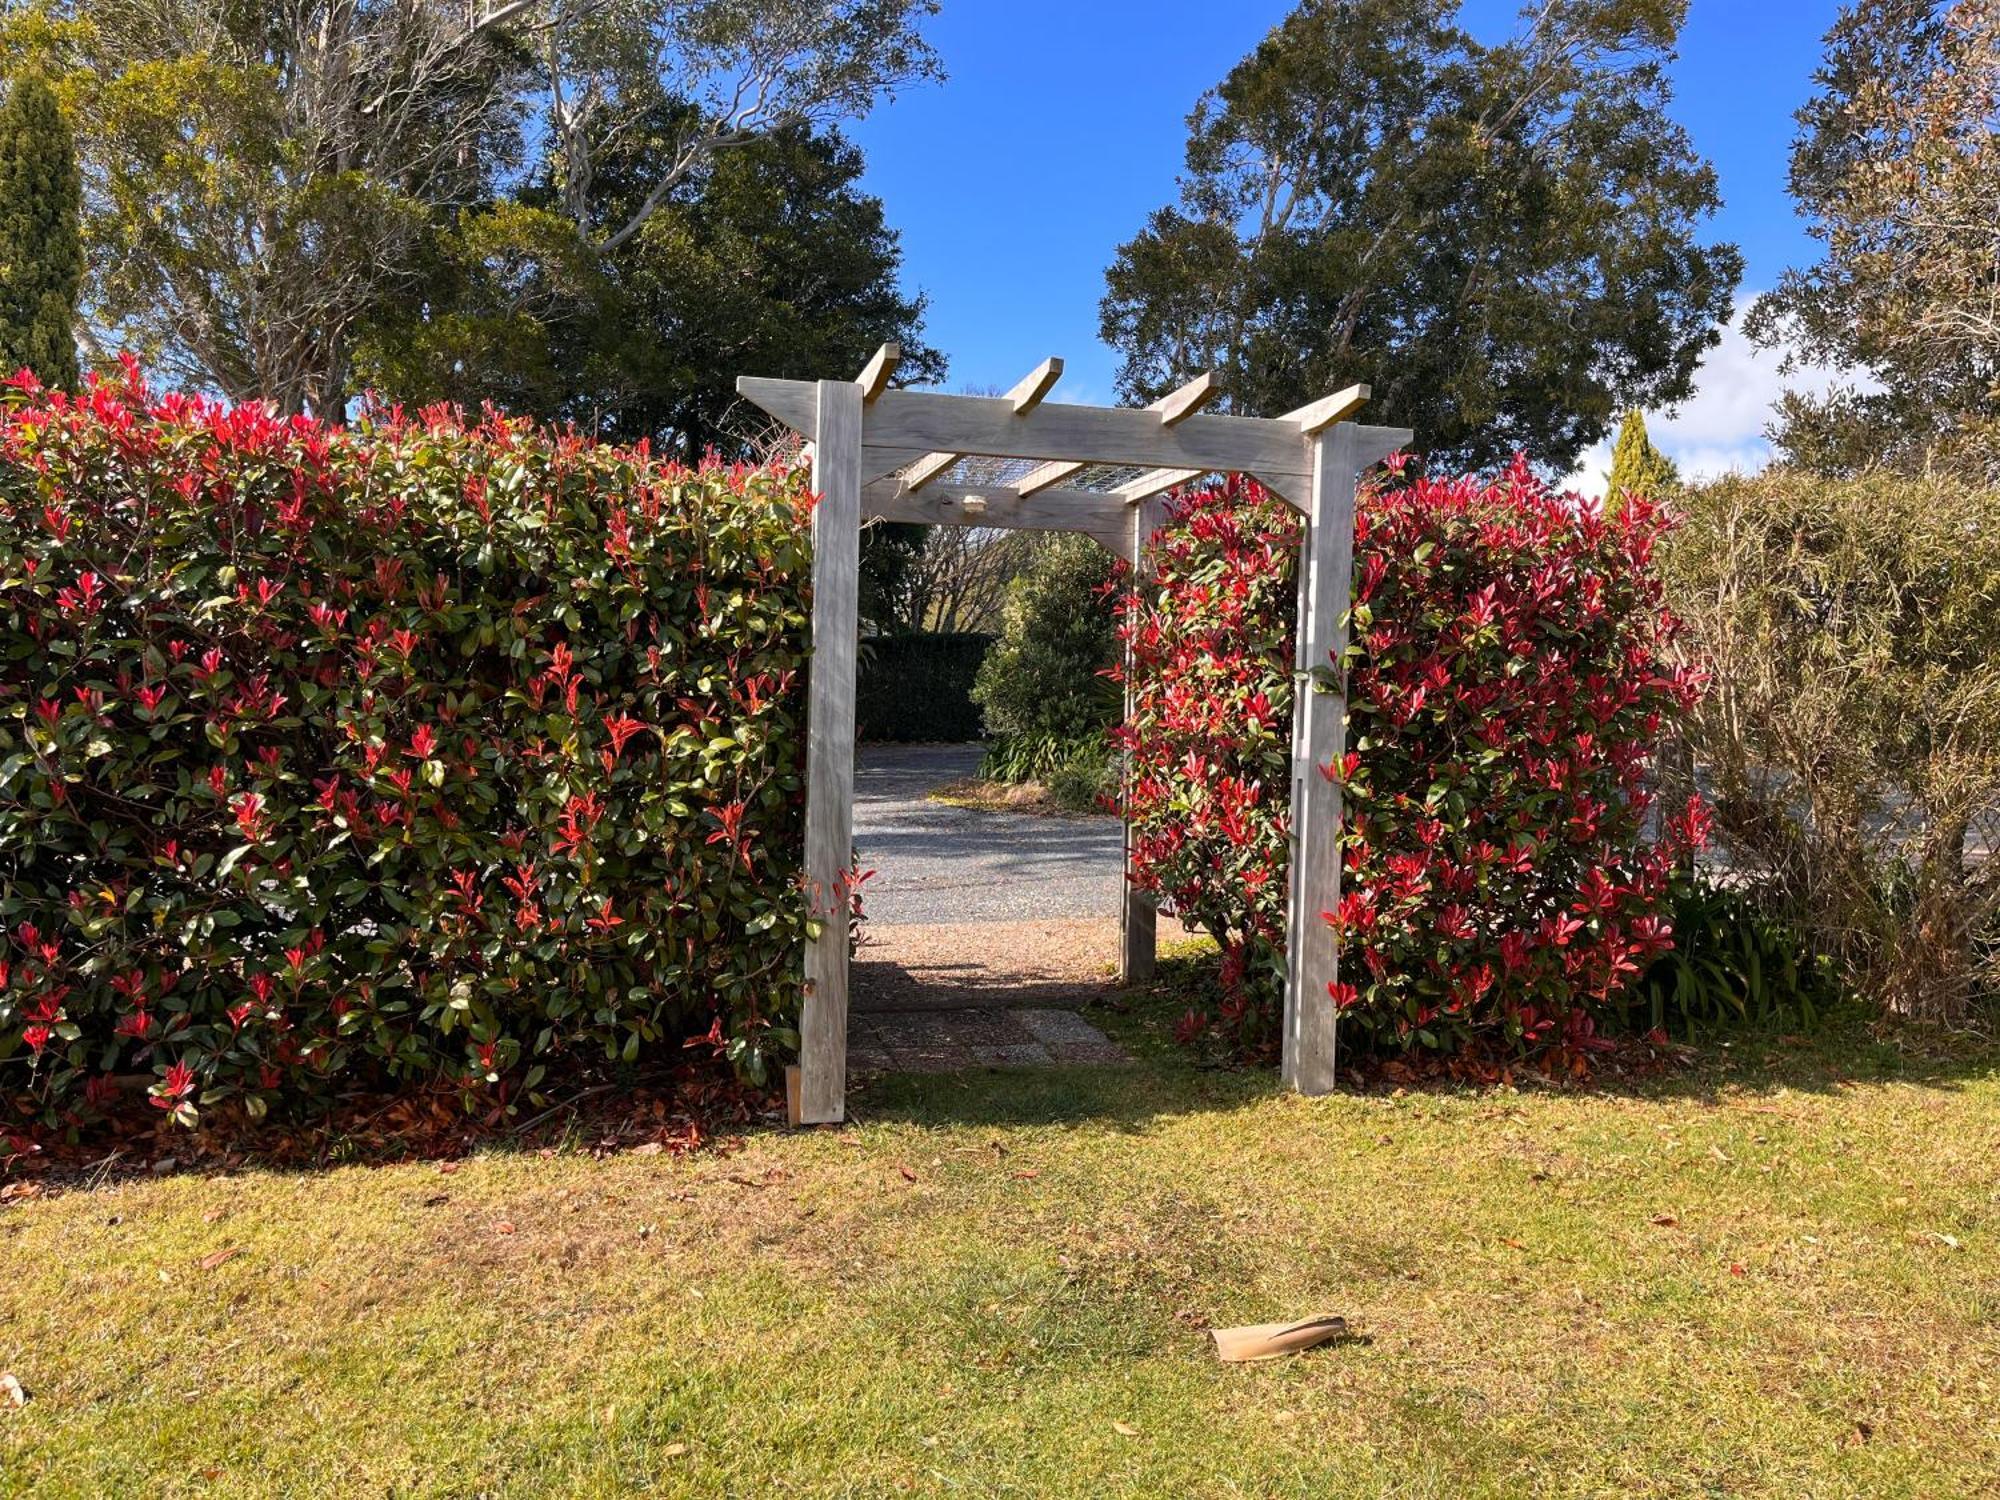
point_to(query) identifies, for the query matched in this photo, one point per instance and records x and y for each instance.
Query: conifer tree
(41, 247)
(1637, 467)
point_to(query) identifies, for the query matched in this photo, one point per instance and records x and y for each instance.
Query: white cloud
(1721, 428)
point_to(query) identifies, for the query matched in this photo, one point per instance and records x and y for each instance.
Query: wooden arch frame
(884, 454)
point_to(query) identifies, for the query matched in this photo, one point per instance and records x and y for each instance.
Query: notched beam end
(879, 371)
(1321, 414)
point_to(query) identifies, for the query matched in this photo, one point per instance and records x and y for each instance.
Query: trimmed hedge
(919, 687)
(1507, 681)
(415, 752)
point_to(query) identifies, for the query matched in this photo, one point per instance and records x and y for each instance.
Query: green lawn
(1776, 1274)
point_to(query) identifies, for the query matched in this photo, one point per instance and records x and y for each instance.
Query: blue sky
(1061, 127)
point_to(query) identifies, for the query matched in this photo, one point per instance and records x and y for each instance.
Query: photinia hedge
(1508, 675)
(416, 751)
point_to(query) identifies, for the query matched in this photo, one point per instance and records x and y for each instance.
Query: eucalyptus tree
(1502, 240)
(259, 179)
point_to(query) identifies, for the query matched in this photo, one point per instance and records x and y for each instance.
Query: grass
(1777, 1273)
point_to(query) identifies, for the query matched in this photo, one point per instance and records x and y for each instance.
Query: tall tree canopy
(41, 256)
(769, 258)
(1502, 241)
(1896, 169)
(260, 179)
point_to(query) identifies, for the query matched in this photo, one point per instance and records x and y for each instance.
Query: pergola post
(1138, 918)
(816, 1090)
(1319, 738)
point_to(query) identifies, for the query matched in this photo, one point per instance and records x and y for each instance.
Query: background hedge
(919, 687)
(412, 752)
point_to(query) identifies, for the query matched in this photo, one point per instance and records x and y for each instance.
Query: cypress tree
(1637, 466)
(41, 246)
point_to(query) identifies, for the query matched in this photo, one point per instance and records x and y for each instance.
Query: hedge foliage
(1507, 679)
(918, 688)
(1852, 731)
(417, 751)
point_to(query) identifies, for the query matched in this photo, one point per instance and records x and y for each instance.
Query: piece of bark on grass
(1274, 1340)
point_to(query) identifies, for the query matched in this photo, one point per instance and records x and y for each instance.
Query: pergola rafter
(881, 453)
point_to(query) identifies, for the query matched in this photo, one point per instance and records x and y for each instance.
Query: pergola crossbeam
(975, 505)
(1024, 398)
(1315, 417)
(1173, 407)
(1155, 482)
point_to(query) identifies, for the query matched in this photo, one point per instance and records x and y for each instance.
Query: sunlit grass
(1776, 1274)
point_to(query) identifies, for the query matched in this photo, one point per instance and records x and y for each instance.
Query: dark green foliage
(918, 688)
(1732, 966)
(1502, 241)
(41, 252)
(1045, 676)
(770, 261)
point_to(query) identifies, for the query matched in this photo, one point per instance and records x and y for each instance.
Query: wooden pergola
(1019, 461)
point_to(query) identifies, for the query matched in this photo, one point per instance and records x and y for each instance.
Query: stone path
(987, 933)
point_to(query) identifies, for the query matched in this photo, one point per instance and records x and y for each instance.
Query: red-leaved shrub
(1507, 677)
(418, 751)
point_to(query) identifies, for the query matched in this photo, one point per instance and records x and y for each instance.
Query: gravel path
(938, 864)
(986, 931)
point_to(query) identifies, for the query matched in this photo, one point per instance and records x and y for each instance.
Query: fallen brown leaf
(505, 1226)
(909, 1173)
(1665, 1221)
(1124, 1429)
(1026, 1174)
(220, 1257)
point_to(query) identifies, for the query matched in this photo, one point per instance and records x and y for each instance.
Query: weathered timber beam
(1082, 434)
(1174, 407)
(973, 505)
(793, 402)
(1025, 397)
(1315, 417)
(880, 369)
(1155, 482)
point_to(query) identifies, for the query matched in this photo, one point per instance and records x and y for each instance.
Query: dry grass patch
(1775, 1275)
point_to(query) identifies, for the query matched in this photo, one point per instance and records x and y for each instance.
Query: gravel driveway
(936, 864)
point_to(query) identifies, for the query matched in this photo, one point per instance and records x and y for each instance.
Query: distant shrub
(1045, 677)
(1507, 681)
(418, 752)
(1078, 774)
(1852, 731)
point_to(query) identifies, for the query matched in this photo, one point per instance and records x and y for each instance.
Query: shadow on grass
(1846, 1052)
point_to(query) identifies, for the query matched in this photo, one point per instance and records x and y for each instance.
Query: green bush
(1046, 677)
(1078, 774)
(411, 753)
(1851, 732)
(919, 687)
(1732, 965)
